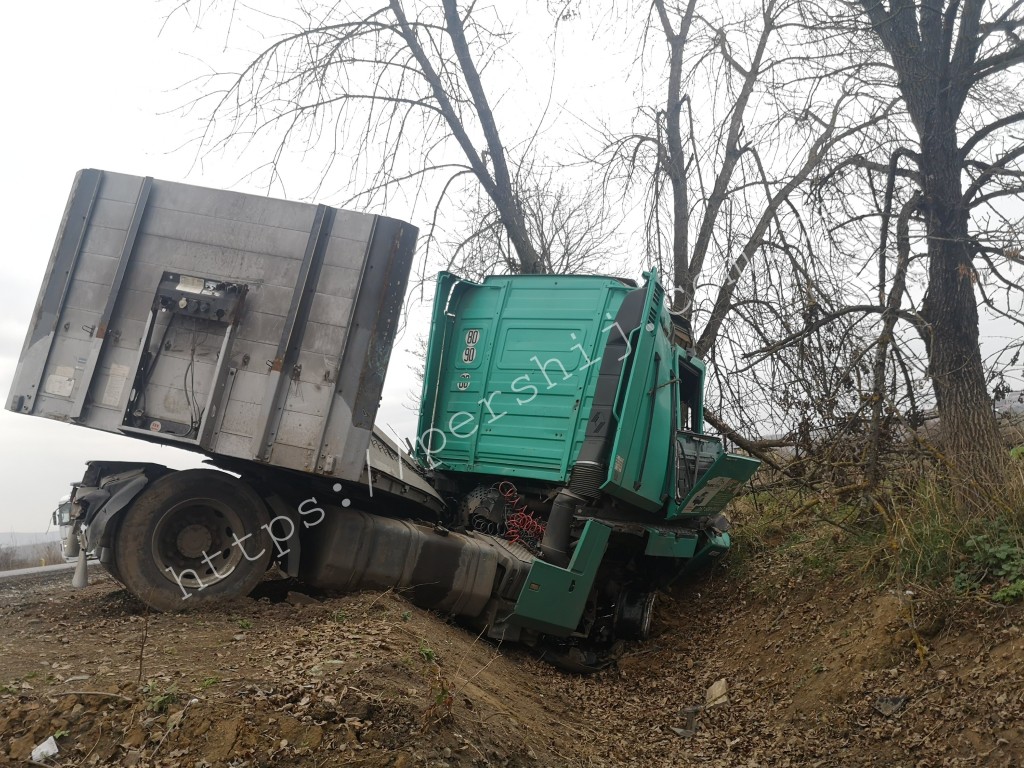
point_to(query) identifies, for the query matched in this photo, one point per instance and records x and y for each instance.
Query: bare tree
(751, 115)
(721, 171)
(934, 143)
(946, 160)
(571, 226)
(382, 83)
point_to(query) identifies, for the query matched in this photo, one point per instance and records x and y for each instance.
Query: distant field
(26, 550)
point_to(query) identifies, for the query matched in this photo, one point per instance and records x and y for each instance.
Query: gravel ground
(815, 674)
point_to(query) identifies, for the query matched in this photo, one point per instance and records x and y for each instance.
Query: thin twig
(142, 646)
(97, 693)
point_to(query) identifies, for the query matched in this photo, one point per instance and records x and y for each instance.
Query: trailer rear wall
(227, 323)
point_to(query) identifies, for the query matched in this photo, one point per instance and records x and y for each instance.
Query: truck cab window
(689, 396)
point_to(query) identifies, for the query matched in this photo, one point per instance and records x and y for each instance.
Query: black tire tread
(135, 566)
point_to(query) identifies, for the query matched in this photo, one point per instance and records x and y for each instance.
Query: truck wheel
(633, 614)
(193, 537)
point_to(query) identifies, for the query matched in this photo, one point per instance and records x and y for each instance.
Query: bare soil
(818, 673)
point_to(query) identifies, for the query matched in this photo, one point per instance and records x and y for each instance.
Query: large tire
(191, 538)
(113, 570)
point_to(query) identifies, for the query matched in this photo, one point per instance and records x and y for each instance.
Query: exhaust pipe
(555, 545)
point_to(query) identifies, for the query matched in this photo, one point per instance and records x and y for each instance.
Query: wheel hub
(194, 540)
(193, 543)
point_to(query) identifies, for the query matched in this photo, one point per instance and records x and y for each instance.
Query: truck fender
(121, 495)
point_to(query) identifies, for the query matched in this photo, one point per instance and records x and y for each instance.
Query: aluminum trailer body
(231, 324)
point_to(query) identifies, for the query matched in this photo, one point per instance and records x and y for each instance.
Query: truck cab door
(643, 411)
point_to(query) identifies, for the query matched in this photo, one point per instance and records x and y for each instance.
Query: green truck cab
(579, 399)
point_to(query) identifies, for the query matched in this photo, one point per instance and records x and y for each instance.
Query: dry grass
(963, 540)
(12, 558)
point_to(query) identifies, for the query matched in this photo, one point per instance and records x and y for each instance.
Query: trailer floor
(817, 674)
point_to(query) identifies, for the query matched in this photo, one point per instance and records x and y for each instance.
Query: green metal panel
(715, 547)
(713, 491)
(553, 598)
(512, 367)
(641, 452)
(664, 544)
(440, 325)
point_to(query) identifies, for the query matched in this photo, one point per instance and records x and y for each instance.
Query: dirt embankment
(816, 674)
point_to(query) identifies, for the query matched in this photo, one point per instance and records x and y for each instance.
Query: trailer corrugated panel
(227, 323)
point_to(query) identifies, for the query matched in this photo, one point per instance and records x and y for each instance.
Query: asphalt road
(43, 569)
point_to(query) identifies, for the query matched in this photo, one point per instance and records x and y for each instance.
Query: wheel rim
(196, 543)
(647, 616)
(634, 613)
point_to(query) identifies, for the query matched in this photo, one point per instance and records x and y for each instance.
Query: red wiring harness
(521, 527)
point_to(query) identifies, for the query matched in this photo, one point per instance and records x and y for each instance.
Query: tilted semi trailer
(559, 478)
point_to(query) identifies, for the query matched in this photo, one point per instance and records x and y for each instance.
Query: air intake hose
(555, 545)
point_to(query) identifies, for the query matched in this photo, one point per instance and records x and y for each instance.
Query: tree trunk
(934, 49)
(968, 428)
(501, 187)
(673, 159)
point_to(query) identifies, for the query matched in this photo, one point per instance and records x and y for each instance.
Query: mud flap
(121, 495)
